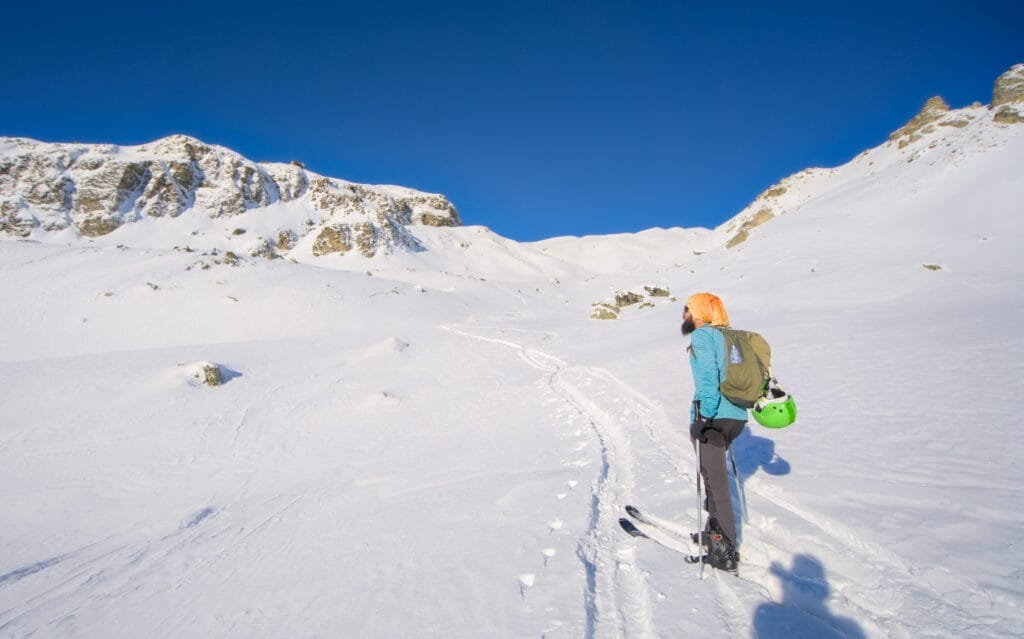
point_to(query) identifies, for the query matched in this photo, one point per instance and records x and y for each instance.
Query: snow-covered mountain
(81, 192)
(88, 191)
(440, 442)
(934, 142)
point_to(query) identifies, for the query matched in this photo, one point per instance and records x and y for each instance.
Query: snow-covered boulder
(206, 373)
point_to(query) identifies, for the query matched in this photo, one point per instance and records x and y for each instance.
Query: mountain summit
(91, 190)
(211, 197)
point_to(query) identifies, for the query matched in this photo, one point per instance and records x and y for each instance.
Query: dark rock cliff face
(96, 189)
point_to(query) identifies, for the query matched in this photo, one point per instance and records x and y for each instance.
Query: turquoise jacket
(707, 361)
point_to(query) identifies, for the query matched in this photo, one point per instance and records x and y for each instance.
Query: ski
(666, 540)
(668, 526)
(655, 534)
(631, 528)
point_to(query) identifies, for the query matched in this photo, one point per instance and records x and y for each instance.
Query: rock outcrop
(934, 110)
(766, 206)
(1008, 96)
(629, 298)
(96, 189)
(759, 218)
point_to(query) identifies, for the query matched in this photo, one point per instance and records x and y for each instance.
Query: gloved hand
(698, 428)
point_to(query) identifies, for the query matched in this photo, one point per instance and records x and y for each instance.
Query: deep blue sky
(536, 119)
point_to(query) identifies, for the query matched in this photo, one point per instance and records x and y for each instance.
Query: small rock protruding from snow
(206, 373)
(611, 309)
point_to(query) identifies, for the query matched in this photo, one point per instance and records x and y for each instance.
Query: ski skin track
(616, 601)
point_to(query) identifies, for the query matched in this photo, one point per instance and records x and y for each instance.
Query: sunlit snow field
(441, 443)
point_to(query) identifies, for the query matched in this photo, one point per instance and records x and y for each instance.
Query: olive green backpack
(748, 361)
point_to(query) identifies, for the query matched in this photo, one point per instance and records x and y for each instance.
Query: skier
(715, 423)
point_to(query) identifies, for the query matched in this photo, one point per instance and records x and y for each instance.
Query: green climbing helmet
(775, 409)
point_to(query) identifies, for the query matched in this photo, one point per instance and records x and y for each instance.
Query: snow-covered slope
(440, 442)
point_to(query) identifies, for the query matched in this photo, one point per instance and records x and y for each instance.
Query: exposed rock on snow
(758, 219)
(206, 373)
(367, 237)
(264, 249)
(934, 110)
(604, 311)
(1008, 96)
(96, 189)
(624, 299)
(286, 240)
(627, 298)
(770, 203)
(333, 239)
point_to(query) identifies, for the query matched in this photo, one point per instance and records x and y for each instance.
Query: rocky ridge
(93, 190)
(906, 144)
(1008, 96)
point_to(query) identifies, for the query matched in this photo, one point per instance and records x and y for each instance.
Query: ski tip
(628, 526)
(633, 511)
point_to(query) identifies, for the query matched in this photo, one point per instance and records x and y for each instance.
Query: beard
(688, 327)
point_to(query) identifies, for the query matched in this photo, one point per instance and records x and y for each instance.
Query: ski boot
(722, 554)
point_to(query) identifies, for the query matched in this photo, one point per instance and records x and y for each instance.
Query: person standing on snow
(714, 426)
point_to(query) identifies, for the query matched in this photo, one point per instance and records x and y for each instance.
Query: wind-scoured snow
(440, 443)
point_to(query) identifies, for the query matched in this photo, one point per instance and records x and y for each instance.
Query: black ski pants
(715, 471)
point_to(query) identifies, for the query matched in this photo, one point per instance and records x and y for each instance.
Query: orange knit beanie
(709, 308)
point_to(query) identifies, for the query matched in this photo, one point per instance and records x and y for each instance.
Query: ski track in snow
(618, 597)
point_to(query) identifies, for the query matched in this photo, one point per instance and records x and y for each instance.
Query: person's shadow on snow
(751, 454)
(803, 611)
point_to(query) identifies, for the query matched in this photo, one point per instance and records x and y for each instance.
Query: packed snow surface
(441, 443)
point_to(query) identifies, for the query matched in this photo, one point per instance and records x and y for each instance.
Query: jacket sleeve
(704, 364)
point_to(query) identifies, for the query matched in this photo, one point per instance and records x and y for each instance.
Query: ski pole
(700, 501)
(739, 486)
